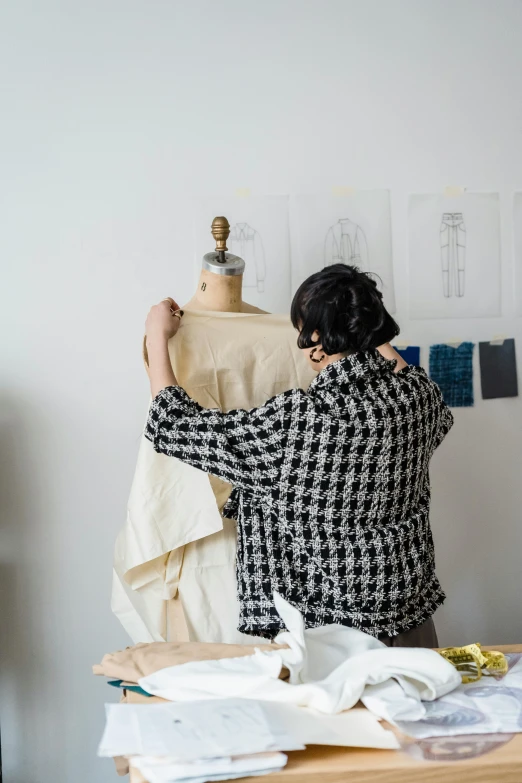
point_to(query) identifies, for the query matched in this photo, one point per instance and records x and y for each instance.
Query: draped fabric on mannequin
(174, 567)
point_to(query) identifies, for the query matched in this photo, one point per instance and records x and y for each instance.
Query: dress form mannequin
(180, 552)
(219, 289)
(220, 285)
(221, 281)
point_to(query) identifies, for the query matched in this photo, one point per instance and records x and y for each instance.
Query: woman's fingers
(174, 306)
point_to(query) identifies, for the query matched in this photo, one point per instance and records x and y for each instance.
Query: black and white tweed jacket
(331, 493)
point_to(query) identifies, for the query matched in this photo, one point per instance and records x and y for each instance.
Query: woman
(331, 487)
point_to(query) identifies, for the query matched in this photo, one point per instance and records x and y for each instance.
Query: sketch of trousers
(245, 242)
(346, 243)
(453, 253)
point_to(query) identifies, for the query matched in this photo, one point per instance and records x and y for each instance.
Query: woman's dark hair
(344, 306)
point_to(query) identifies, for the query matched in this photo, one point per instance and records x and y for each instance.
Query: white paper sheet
(192, 731)
(454, 256)
(355, 728)
(353, 229)
(166, 770)
(260, 236)
(289, 728)
(517, 230)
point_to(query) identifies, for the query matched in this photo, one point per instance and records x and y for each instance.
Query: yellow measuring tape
(472, 661)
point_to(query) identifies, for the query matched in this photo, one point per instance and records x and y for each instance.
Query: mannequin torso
(220, 294)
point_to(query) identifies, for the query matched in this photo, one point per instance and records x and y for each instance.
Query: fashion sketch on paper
(245, 242)
(453, 253)
(346, 243)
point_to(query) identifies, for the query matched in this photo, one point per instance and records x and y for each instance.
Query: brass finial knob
(220, 262)
(220, 231)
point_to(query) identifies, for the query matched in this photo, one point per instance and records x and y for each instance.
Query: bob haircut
(344, 306)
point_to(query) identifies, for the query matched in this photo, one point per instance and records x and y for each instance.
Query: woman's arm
(161, 373)
(389, 352)
(243, 447)
(162, 324)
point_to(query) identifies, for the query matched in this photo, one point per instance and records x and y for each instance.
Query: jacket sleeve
(445, 424)
(242, 447)
(439, 417)
(442, 415)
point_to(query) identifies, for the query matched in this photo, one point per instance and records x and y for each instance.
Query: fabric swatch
(410, 354)
(452, 370)
(498, 370)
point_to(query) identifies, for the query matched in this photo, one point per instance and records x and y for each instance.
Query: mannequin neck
(220, 293)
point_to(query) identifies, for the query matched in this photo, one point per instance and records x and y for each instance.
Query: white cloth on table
(331, 669)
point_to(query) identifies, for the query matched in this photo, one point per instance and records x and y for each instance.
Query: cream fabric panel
(174, 565)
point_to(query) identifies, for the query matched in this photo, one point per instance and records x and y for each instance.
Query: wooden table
(319, 764)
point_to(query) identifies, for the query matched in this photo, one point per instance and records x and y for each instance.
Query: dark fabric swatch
(411, 354)
(498, 370)
(452, 369)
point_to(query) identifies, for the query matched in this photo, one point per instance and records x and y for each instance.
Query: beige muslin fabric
(141, 660)
(174, 564)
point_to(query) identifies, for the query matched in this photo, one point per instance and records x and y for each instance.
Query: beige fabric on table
(174, 565)
(141, 660)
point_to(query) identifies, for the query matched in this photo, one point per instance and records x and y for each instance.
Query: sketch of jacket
(245, 242)
(453, 253)
(346, 243)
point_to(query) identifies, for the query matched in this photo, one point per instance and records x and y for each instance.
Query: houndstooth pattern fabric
(331, 493)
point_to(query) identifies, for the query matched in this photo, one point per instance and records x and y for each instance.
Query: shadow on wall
(59, 494)
(21, 654)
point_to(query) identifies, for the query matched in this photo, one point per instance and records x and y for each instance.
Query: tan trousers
(423, 636)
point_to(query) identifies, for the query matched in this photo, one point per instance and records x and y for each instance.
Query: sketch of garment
(245, 242)
(346, 243)
(453, 253)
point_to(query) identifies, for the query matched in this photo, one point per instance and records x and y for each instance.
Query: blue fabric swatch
(411, 354)
(452, 369)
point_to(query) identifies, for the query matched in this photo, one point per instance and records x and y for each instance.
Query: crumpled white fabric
(331, 669)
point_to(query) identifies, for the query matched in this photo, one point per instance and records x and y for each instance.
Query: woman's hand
(163, 321)
(389, 352)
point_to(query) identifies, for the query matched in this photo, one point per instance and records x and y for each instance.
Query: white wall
(113, 113)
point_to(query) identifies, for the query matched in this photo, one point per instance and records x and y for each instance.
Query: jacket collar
(352, 368)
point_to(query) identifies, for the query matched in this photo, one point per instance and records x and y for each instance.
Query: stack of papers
(195, 743)
(191, 732)
(167, 770)
(220, 739)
